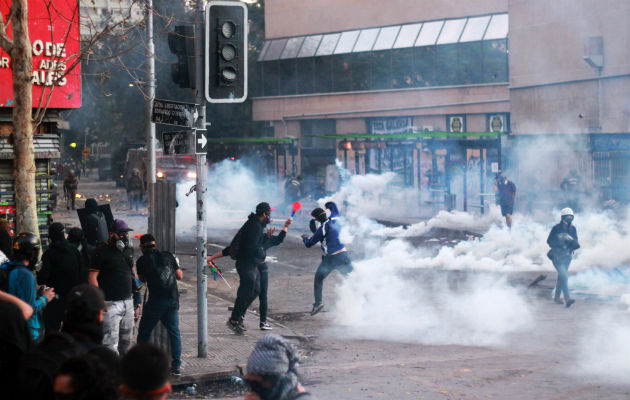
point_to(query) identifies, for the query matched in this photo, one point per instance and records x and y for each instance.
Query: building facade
(97, 14)
(445, 95)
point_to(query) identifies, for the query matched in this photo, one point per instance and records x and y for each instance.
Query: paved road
(438, 348)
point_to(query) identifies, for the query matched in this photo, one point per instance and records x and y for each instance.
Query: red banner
(54, 35)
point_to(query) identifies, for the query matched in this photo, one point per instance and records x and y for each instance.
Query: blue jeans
(166, 311)
(340, 261)
(561, 264)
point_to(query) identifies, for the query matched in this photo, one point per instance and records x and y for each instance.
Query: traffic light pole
(150, 129)
(202, 171)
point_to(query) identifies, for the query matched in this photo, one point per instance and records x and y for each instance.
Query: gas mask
(267, 220)
(567, 219)
(122, 241)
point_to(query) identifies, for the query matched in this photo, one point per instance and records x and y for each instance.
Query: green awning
(265, 140)
(416, 136)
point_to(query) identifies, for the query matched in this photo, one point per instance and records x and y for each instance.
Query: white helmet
(566, 211)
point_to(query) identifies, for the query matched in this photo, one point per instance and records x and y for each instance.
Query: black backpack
(164, 263)
(235, 244)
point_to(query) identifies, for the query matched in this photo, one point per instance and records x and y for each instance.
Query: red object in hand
(296, 207)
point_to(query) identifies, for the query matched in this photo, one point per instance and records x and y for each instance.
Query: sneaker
(316, 308)
(558, 301)
(264, 326)
(234, 327)
(570, 302)
(241, 323)
(176, 372)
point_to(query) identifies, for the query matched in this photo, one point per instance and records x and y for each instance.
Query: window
(341, 73)
(323, 74)
(366, 40)
(270, 78)
(451, 31)
(381, 70)
(429, 33)
(475, 28)
(360, 65)
(402, 68)
(275, 49)
(424, 66)
(446, 62)
(305, 75)
(292, 47)
(495, 61)
(407, 36)
(469, 63)
(346, 42)
(309, 46)
(328, 44)
(287, 77)
(498, 28)
(386, 38)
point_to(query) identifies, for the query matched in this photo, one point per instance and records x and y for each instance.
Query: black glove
(312, 225)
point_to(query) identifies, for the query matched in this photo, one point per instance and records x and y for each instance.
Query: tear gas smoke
(233, 192)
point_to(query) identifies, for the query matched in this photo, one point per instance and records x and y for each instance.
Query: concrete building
(444, 93)
(96, 14)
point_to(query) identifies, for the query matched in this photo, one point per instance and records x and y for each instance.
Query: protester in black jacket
(251, 245)
(563, 240)
(62, 268)
(77, 239)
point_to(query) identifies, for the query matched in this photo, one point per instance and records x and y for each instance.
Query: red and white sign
(54, 34)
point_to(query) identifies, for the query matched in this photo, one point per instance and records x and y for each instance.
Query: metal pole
(150, 128)
(202, 286)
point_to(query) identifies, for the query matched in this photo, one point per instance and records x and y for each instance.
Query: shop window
(360, 67)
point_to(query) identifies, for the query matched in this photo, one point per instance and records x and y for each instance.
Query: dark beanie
(75, 235)
(91, 204)
(319, 214)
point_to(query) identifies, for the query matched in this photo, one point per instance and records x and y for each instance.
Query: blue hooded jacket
(22, 285)
(327, 233)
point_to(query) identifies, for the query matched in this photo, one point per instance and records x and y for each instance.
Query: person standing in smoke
(571, 186)
(563, 240)
(70, 186)
(335, 255)
(506, 193)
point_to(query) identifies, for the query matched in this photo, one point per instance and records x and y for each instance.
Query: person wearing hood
(334, 255)
(249, 249)
(95, 228)
(272, 371)
(563, 240)
(62, 268)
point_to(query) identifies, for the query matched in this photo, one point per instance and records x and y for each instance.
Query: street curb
(206, 377)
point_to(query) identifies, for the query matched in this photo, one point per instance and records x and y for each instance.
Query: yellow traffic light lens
(73, 145)
(228, 74)
(228, 52)
(228, 29)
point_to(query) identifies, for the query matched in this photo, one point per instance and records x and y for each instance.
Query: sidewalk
(227, 352)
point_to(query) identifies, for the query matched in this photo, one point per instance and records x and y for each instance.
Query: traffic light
(226, 52)
(181, 42)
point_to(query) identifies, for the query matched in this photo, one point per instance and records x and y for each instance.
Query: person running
(335, 255)
(263, 269)
(563, 240)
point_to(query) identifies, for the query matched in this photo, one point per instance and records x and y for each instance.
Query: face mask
(267, 220)
(567, 219)
(120, 245)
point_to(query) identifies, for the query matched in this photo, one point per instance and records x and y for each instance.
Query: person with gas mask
(111, 270)
(248, 248)
(335, 255)
(563, 240)
(272, 371)
(21, 279)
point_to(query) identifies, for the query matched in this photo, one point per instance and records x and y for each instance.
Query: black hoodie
(254, 243)
(62, 267)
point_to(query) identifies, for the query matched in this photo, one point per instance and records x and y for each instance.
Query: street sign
(177, 142)
(86, 151)
(201, 140)
(176, 113)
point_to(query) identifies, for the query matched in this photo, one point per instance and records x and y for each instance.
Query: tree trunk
(23, 148)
